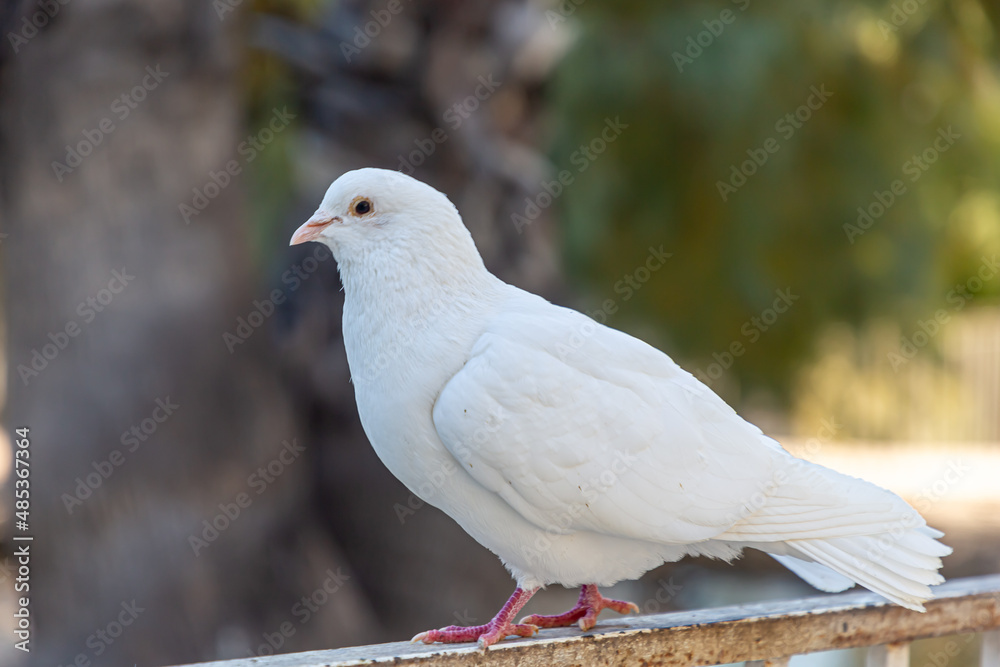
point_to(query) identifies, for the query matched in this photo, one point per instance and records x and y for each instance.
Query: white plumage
(575, 452)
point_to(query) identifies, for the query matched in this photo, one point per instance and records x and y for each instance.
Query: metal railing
(766, 634)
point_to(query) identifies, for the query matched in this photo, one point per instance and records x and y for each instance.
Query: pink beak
(311, 228)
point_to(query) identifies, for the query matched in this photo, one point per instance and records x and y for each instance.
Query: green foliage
(271, 174)
(268, 83)
(689, 122)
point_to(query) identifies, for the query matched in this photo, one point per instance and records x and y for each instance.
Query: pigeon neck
(401, 316)
(394, 278)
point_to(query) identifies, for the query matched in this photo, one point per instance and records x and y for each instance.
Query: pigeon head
(377, 216)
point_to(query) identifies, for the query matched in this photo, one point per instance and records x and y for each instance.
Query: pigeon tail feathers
(832, 529)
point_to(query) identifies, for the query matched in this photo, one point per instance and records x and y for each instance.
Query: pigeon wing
(581, 427)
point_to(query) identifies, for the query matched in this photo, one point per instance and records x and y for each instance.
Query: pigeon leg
(489, 634)
(587, 608)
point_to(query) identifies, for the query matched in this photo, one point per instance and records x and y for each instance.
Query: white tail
(832, 529)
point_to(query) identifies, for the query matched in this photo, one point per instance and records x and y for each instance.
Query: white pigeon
(576, 453)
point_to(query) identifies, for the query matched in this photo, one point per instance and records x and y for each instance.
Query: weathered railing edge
(702, 637)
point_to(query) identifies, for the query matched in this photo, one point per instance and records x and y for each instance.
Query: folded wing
(581, 427)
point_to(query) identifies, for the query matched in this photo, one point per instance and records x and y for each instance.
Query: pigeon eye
(361, 206)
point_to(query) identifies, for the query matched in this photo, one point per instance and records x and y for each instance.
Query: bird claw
(518, 629)
(584, 614)
(484, 635)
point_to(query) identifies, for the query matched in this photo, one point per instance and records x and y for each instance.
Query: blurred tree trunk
(104, 276)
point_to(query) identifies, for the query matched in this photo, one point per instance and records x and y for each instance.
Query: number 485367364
(22, 494)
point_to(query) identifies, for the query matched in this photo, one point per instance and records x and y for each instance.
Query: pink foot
(587, 608)
(488, 634)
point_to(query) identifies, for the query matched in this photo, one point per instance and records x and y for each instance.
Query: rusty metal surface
(705, 637)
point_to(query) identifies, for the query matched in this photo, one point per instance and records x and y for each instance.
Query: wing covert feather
(581, 427)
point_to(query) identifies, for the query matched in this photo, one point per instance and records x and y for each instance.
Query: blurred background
(797, 200)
